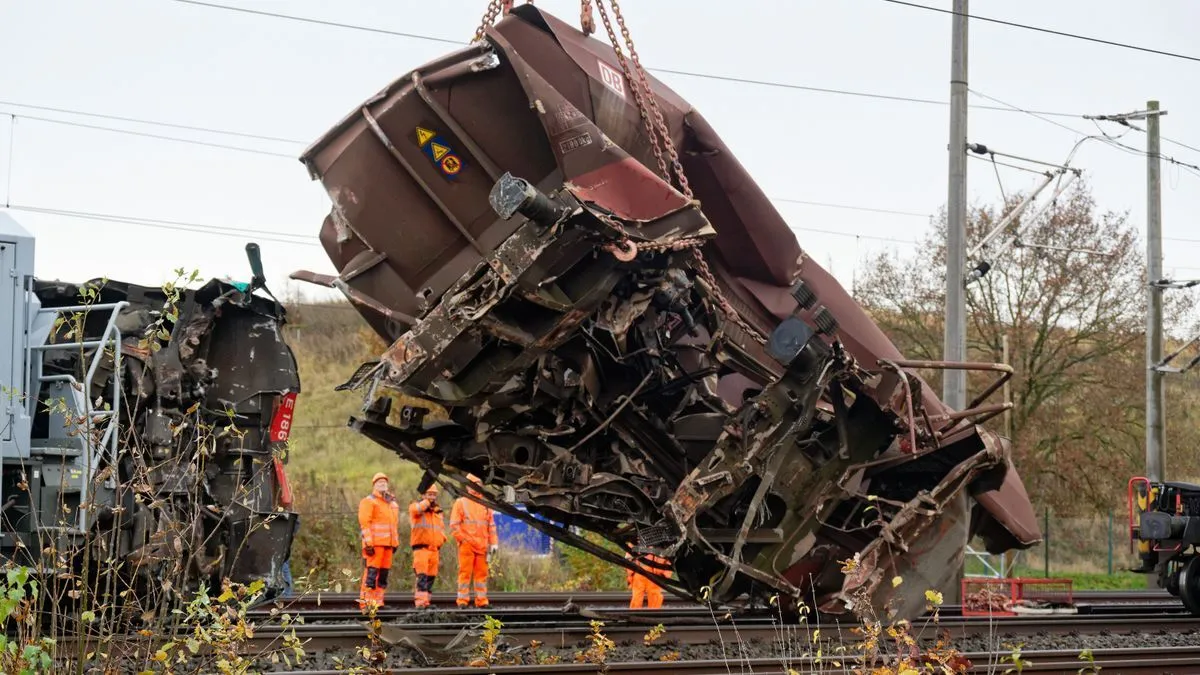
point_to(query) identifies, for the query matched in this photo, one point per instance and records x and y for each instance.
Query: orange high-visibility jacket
(428, 526)
(473, 524)
(642, 564)
(379, 519)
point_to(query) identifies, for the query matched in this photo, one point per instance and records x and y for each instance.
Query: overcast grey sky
(184, 64)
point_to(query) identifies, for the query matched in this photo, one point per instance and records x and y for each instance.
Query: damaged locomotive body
(674, 375)
(147, 444)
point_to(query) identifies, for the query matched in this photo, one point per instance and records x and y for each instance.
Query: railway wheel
(1189, 585)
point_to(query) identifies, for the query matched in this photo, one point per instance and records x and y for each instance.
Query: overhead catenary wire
(138, 120)
(1104, 138)
(1006, 107)
(1075, 36)
(216, 230)
(670, 71)
(174, 225)
(161, 137)
(290, 238)
(164, 137)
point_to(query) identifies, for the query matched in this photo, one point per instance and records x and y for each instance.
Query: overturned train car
(147, 445)
(673, 374)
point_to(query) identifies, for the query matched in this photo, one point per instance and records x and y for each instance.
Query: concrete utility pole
(954, 345)
(954, 383)
(1155, 387)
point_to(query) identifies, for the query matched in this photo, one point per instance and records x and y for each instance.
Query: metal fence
(1070, 547)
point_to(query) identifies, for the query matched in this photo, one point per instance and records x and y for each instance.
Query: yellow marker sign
(439, 150)
(451, 165)
(423, 136)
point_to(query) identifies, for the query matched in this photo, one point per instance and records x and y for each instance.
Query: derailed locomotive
(647, 356)
(141, 436)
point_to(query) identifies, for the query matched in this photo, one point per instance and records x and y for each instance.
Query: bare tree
(1075, 325)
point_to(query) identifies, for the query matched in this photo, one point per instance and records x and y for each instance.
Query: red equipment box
(983, 596)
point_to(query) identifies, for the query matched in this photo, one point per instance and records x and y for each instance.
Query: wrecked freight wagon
(141, 451)
(652, 359)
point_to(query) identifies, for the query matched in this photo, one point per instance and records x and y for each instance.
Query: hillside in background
(330, 341)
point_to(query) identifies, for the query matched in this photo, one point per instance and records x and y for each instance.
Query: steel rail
(666, 614)
(1132, 661)
(567, 635)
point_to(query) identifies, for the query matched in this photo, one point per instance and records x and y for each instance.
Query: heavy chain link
(722, 302)
(702, 269)
(587, 22)
(634, 84)
(653, 101)
(647, 106)
(495, 8)
(489, 16)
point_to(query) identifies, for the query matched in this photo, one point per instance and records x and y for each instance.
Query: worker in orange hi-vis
(642, 588)
(474, 528)
(379, 518)
(427, 536)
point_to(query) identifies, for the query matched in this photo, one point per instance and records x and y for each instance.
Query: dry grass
(329, 344)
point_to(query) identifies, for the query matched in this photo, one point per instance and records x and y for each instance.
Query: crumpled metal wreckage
(673, 374)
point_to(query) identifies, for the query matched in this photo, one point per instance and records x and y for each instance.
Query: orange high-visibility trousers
(425, 565)
(375, 576)
(472, 575)
(644, 589)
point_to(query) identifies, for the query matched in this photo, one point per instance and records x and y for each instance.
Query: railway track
(552, 607)
(1131, 661)
(399, 600)
(570, 632)
(696, 640)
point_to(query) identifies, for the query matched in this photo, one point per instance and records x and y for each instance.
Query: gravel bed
(798, 646)
(795, 644)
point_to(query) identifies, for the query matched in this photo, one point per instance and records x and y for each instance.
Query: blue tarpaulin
(514, 533)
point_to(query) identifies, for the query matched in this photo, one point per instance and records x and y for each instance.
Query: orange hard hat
(433, 487)
(379, 475)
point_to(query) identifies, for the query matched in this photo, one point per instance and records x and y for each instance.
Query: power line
(276, 154)
(174, 225)
(321, 22)
(684, 73)
(161, 137)
(121, 118)
(1039, 29)
(913, 214)
(839, 92)
(1104, 138)
(219, 230)
(298, 239)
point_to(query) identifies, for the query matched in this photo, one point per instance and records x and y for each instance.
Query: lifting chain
(647, 105)
(643, 94)
(489, 16)
(638, 97)
(587, 22)
(495, 8)
(626, 250)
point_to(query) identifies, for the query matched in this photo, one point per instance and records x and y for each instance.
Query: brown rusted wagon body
(674, 374)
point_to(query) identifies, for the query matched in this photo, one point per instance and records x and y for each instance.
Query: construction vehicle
(593, 307)
(141, 433)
